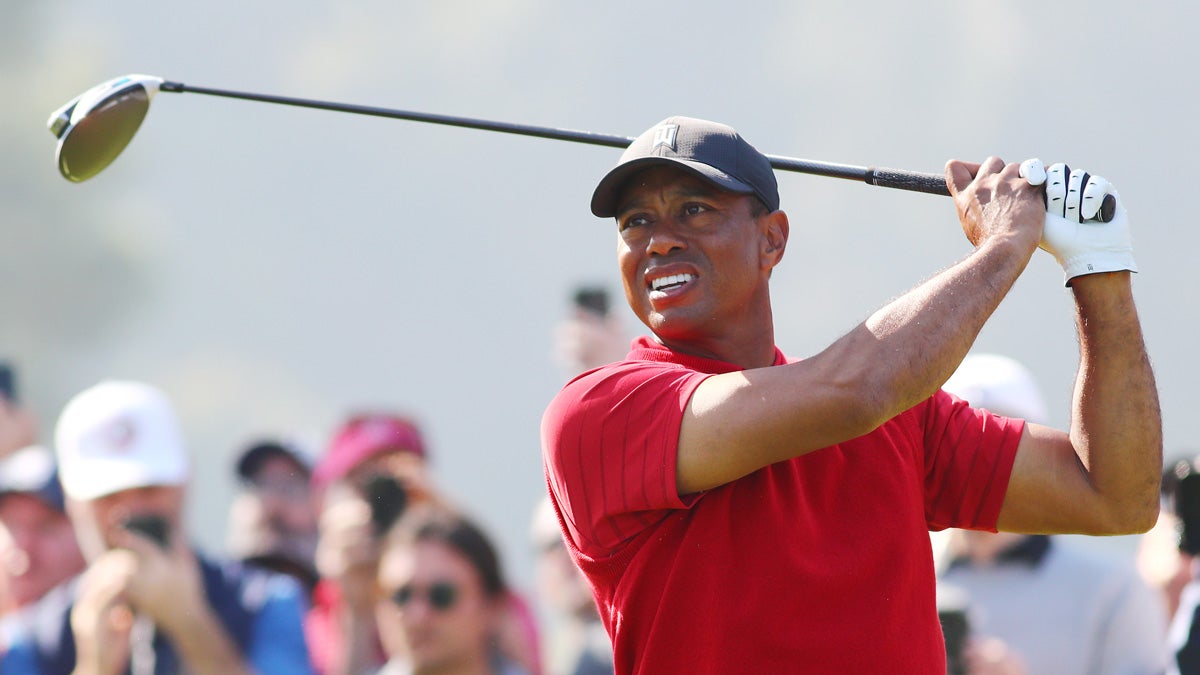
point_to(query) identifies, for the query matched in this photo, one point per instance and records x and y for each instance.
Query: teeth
(673, 280)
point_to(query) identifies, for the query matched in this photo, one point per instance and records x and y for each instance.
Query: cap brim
(104, 477)
(608, 191)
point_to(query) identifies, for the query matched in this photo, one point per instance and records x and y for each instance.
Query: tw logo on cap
(665, 135)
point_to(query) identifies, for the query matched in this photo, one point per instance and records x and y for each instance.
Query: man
(147, 603)
(737, 511)
(1060, 609)
(38, 552)
(273, 518)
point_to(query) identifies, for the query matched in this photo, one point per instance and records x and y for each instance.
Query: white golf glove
(1073, 234)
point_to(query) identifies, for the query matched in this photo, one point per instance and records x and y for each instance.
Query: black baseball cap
(712, 151)
(254, 454)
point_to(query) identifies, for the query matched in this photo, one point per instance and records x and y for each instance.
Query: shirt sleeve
(609, 442)
(969, 454)
(278, 644)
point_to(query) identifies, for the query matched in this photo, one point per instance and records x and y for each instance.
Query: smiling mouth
(673, 281)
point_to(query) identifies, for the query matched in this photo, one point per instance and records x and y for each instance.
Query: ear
(775, 235)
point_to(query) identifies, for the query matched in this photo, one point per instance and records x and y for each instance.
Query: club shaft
(892, 178)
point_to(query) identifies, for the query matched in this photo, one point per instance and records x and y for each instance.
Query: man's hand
(994, 202)
(167, 586)
(347, 551)
(585, 340)
(101, 618)
(141, 578)
(1081, 243)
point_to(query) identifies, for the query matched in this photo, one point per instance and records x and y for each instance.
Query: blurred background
(274, 269)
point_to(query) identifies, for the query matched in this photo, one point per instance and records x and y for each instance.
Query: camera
(592, 299)
(1182, 487)
(150, 526)
(387, 498)
(8, 381)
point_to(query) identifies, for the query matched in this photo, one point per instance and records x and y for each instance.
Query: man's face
(37, 547)
(97, 521)
(444, 619)
(691, 255)
(284, 499)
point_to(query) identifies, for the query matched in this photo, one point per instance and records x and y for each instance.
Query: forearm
(904, 352)
(1116, 425)
(891, 362)
(360, 654)
(204, 646)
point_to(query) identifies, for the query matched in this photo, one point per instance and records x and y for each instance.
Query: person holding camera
(38, 552)
(375, 467)
(273, 518)
(148, 603)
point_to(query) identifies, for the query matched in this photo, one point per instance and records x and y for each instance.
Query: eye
(635, 220)
(694, 208)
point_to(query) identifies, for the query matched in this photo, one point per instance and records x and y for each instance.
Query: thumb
(959, 175)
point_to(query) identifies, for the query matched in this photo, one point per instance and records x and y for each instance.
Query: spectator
(576, 643)
(590, 335)
(1060, 609)
(273, 519)
(341, 628)
(443, 599)
(365, 447)
(147, 601)
(38, 552)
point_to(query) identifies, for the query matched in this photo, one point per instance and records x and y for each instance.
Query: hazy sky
(274, 268)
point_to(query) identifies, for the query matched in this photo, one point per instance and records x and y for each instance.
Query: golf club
(94, 127)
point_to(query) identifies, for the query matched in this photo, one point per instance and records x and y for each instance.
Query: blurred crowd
(348, 559)
(344, 559)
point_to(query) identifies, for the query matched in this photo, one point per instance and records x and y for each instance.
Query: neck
(742, 345)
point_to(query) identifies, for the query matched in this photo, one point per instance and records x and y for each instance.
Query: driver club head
(94, 127)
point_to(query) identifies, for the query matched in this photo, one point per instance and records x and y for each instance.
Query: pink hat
(363, 437)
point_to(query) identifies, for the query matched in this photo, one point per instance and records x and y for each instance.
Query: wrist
(1090, 264)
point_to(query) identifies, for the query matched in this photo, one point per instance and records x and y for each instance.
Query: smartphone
(150, 526)
(8, 381)
(592, 299)
(387, 499)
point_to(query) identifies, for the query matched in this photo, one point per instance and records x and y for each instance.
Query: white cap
(118, 436)
(1000, 384)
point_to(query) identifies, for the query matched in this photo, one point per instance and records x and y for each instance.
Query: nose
(665, 236)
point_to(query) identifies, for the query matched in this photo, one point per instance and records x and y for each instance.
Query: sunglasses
(440, 595)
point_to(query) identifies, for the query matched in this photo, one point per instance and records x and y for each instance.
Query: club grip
(935, 184)
(931, 183)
